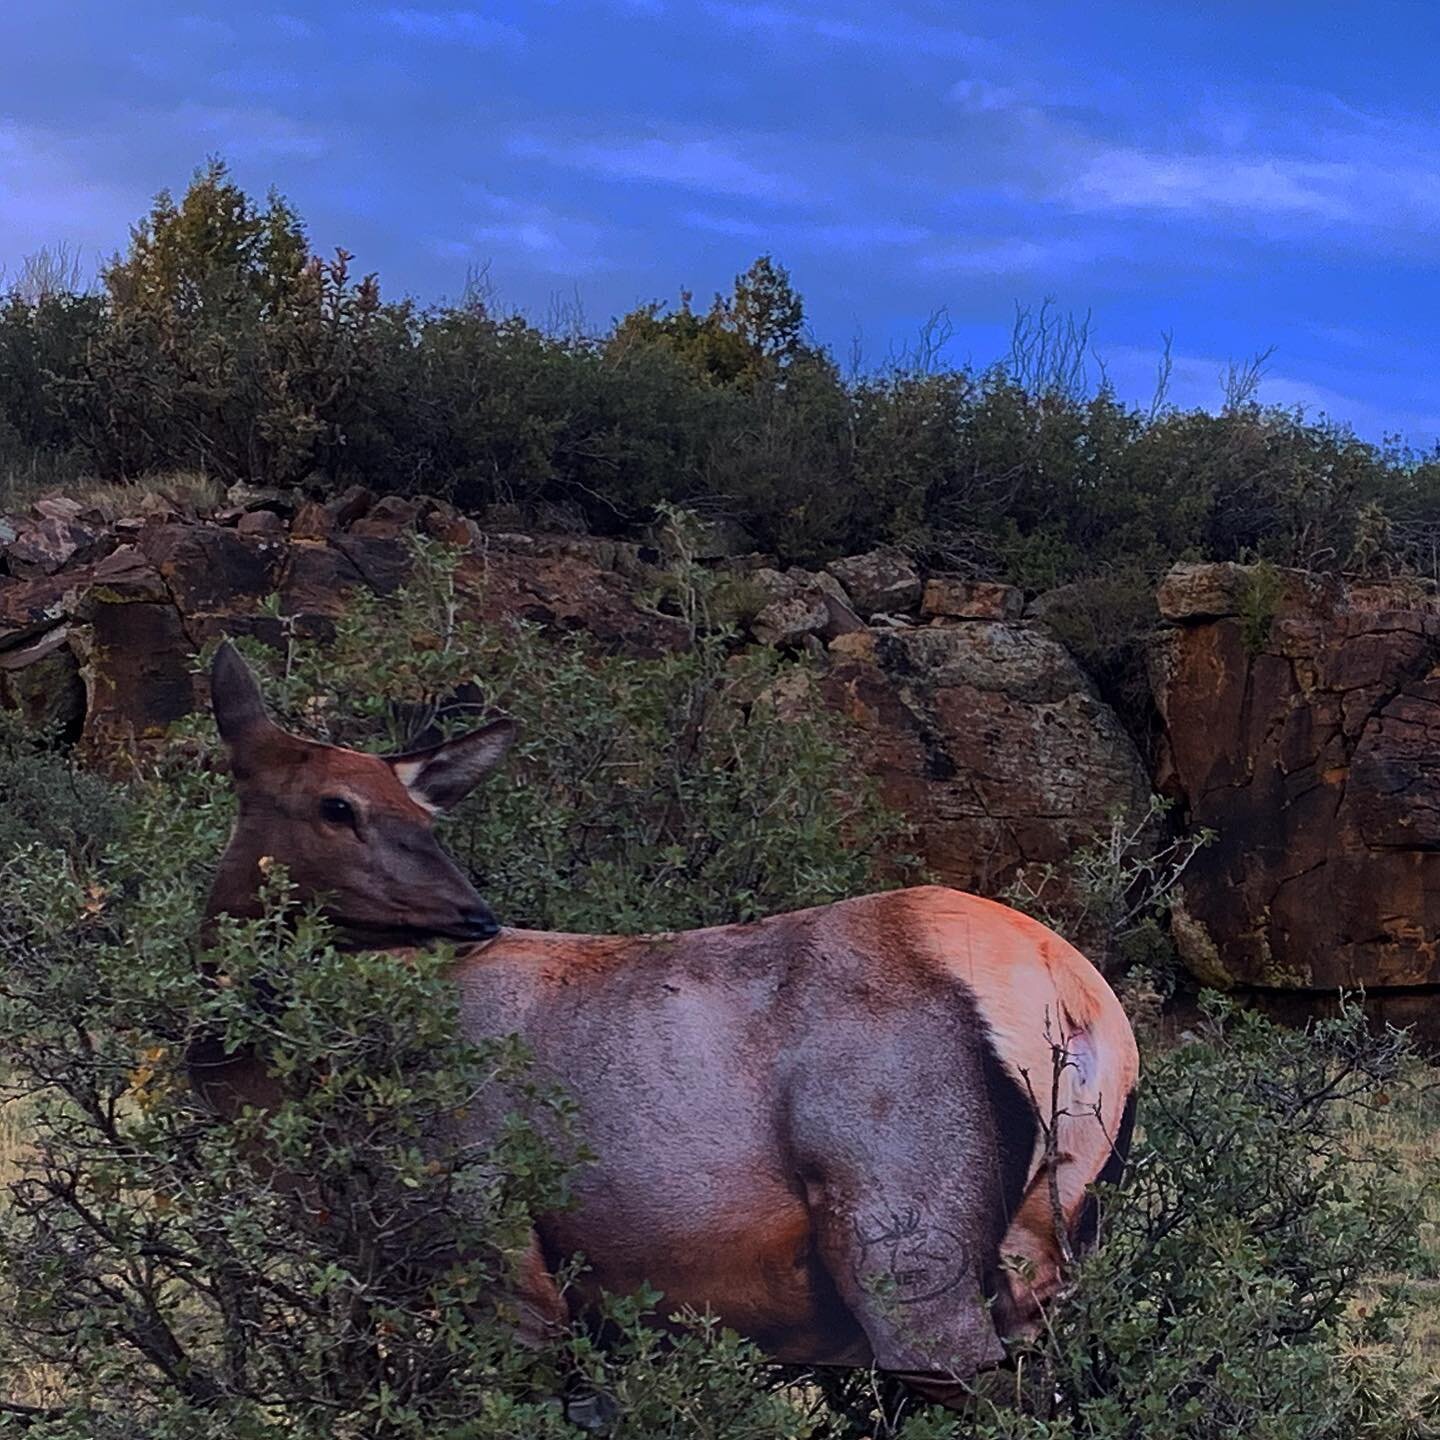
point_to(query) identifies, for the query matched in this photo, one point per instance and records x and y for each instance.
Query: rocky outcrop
(981, 728)
(990, 737)
(1302, 724)
(99, 640)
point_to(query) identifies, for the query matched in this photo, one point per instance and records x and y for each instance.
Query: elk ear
(445, 774)
(235, 697)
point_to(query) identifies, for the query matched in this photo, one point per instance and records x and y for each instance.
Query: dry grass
(183, 490)
(1405, 1137)
(34, 1384)
(10, 1142)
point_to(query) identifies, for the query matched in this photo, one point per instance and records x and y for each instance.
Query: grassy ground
(182, 489)
(1406, 1135)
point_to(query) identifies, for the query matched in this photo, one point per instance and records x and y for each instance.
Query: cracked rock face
(131, 623)
(991, 739)
(983, 730)
(1306, 732)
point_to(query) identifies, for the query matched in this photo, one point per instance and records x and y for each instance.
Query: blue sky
(1240, 175)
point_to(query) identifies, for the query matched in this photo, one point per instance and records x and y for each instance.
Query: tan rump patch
(1036, 992)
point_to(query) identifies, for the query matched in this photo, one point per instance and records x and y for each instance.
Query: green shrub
(158, 1281)
(1259, 601)
(1106, 621)
(219, 345)
(1222, 1301)
(44, 801)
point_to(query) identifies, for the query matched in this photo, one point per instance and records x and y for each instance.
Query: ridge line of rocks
(1300, 713)
(978, 725)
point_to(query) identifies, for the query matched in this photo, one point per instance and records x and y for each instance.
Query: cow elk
(859, 1134)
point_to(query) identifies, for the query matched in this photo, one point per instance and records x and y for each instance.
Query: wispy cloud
(544, 238)
(1300, 164)
(456, 27)
(980, 96)
(708, 164)
(1347, 337)
(896, 32)
(1126, 178)
(807, 236)
(257, 80)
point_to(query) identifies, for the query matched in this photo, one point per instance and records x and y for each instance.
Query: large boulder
(797, 605)
(991, 739)
(1302, 724)
(880, 582)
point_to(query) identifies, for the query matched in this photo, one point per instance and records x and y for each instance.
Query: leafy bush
(1259, 602)
(219, 345)
(226, 348)
(48, 802)
(1106, 620)
(1222, 1301)
(161, 1276)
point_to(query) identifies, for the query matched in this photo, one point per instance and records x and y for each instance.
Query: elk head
(353, 831)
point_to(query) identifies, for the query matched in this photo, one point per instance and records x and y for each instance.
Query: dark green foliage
(1222, 1301)
(219, 346)
(43, 341)
(43, 802)
(1105, 621)
(158, 1276)
(744, 337)
(226, 348)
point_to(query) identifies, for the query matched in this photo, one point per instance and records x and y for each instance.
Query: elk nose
(480, 924)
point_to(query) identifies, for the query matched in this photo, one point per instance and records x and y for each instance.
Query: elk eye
(335, 811)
